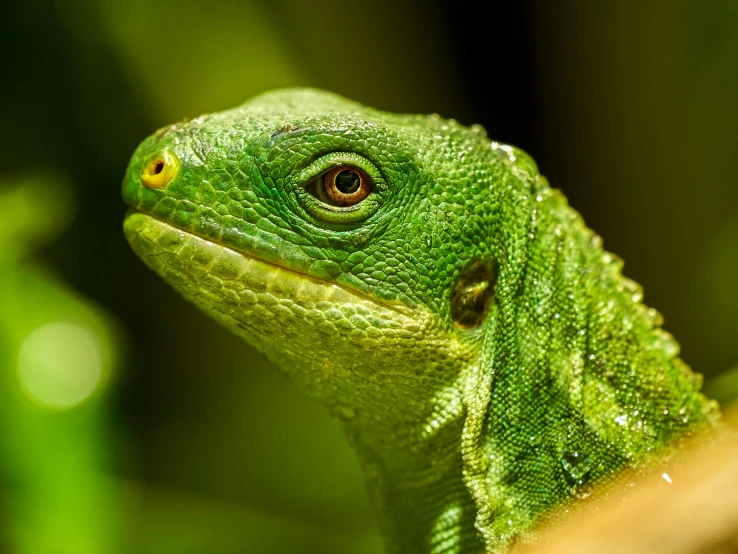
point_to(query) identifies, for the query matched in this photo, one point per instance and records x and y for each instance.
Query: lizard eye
(341, 188)
(345, 186)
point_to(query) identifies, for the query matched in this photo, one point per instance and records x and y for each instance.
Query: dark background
(629, 107)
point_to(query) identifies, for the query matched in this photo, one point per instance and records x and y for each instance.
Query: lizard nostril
(160, 170)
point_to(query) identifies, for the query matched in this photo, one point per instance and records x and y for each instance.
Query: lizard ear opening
(473, 294)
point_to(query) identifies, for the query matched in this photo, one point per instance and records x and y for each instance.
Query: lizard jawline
(152, 238)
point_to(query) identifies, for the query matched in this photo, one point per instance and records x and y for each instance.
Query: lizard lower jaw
(195, 264)
(339, 346)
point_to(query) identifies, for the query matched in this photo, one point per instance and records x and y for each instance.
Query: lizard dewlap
(487, 359)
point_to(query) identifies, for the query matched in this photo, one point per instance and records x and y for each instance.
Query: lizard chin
(329, 339)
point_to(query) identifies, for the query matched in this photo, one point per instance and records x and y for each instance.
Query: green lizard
(486, 358)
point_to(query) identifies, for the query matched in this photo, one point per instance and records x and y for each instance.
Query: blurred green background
(131, 423)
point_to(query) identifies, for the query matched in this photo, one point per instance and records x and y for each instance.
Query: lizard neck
(418, 492)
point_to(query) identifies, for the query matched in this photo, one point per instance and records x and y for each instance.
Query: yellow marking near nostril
(160, 170)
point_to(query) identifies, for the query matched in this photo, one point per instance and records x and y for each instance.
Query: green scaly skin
(469, 436)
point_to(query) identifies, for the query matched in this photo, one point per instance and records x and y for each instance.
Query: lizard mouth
(194, 264)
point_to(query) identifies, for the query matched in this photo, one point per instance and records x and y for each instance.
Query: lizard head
(340, 241)
(424, 282)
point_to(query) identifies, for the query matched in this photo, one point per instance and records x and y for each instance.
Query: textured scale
(469, 434)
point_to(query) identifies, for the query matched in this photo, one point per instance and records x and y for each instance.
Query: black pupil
(348, 181)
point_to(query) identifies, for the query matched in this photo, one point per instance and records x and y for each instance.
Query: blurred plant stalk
(687, 506)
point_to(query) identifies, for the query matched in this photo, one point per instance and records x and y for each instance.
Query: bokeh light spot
(59, 365)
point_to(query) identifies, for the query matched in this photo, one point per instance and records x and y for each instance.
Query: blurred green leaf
(723, 388)
(34, 209)
(188, 56)
(58, 355)
(174, 522)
